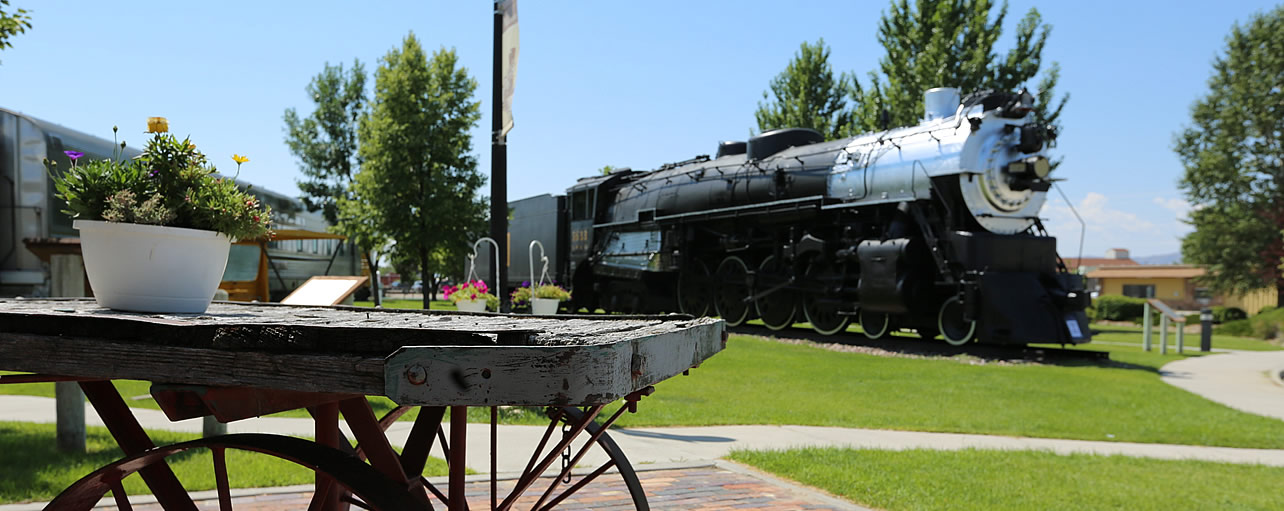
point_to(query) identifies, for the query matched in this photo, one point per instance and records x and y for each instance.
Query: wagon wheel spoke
(578, 422)
(122, 500)
(220, 478)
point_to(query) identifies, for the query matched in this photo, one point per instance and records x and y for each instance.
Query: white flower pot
(150, 268)
(544, 306)
(471, 305)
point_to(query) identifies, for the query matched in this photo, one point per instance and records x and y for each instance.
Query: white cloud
(1177, 205)
(1144, 227)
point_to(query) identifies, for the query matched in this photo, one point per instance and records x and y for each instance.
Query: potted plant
(471, 296)
(155, 230)
(544, 298)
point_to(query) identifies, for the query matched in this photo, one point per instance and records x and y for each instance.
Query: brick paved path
(705, 488)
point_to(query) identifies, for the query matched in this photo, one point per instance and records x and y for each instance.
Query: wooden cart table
(245, 360)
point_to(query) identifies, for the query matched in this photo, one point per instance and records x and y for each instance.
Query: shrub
(1267, 325)
(1239, 328)
(1119, 308)
(1224, 314)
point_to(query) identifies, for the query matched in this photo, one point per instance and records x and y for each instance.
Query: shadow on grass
(910, 344)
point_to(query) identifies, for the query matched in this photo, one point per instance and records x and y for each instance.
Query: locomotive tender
(931, 227)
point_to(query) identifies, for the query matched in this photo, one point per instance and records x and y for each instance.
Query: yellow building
(1174, 284)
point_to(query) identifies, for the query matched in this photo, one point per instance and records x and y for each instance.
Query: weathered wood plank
(433, 358)
(81, 356)
(537, 376)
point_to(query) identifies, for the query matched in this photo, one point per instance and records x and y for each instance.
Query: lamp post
(1205, 319)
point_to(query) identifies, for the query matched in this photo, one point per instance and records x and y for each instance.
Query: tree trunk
(1279, 293)
(374, 278)
(423, 275)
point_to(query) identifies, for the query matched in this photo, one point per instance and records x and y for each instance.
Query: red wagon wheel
(364, 481)
(529, 485)
(389, 481)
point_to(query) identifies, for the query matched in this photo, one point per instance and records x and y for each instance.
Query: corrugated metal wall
(1253, 301)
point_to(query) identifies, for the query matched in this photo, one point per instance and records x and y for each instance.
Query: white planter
(149, 268)
(471, 305)
(544, 306)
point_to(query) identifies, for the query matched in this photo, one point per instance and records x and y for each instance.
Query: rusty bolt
(416, 375)
(486, 373)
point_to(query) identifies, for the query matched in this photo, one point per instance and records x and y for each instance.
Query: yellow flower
(191, 145)
(157, 125)
(240, 159)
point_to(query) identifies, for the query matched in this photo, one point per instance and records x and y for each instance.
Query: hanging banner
(508, 8)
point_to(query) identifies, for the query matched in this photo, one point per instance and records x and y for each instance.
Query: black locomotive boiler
(932, 227)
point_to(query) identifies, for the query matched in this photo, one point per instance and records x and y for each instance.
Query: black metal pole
(499, 164)
(1205, 329)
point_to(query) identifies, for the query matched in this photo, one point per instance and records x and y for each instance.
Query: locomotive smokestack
(940, 103)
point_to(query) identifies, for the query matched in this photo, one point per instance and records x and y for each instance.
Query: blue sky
(632, 84)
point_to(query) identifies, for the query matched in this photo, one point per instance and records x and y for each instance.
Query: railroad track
(911, 344)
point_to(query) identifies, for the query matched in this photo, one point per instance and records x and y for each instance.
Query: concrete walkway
(1248, 381)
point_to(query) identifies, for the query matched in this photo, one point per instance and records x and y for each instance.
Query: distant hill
(1173, 258)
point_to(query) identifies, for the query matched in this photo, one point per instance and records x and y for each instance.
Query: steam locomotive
(932, 227)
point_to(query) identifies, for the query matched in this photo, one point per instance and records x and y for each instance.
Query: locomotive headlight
(1036, 167)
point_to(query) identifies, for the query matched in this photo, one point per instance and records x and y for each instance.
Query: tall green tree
(950, 43)
(418, 173)
(12, 23)
(1233, 154)
(807, 94)
(325, 142)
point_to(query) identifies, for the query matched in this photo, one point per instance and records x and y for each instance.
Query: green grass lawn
(757, 381)
(987, 480)
(32, 469)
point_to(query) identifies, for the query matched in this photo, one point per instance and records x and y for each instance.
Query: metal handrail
(1165, 314)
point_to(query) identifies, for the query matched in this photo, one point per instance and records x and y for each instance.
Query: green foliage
(941, 43)
(1264, 325)
(12, 24)
(1223, 314)
(1118, 308)
(418, 182)
(1234, 161)
(170, 184)
(807, 95)
(1239, 327)
(974, 479)
(326, 140)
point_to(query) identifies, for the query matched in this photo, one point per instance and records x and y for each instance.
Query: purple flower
(153, 173)
(74, 155)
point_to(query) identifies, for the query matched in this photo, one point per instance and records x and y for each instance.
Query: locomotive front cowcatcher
(932, 227)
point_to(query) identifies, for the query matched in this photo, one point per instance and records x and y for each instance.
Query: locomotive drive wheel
(824, 315)
(695, 291)
(876, 325)
(777, 309)
(732, 287)
(954, 328)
